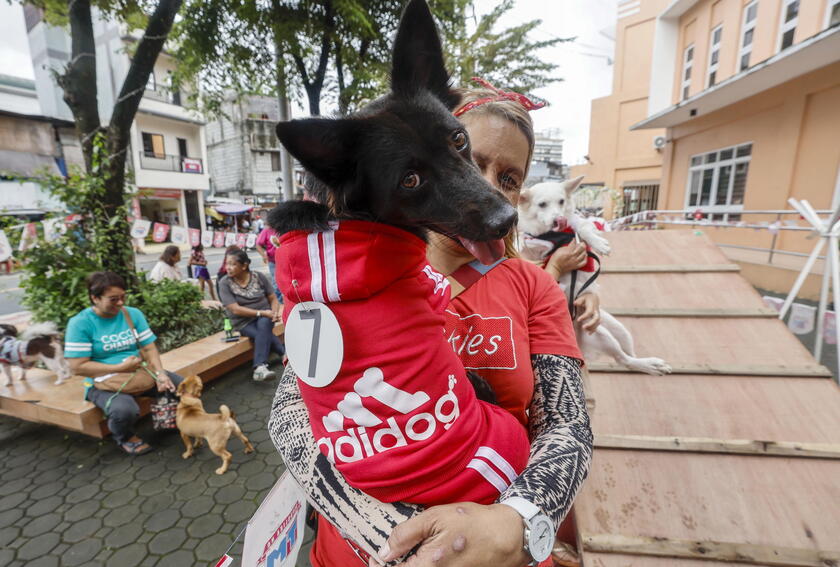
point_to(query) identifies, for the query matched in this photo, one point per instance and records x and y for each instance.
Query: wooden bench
(39, 399)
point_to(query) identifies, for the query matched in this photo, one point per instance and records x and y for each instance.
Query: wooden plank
(699, 290)
(759, 312)
(713, 550)
(778, 502)
(719, 343)
(594, 559)
(809, 371)
(738, 407)
(670, 268)
(711, 445)
(636, 248)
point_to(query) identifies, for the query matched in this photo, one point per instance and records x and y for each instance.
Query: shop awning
(232, 209)
(26, 164)
(212, 212)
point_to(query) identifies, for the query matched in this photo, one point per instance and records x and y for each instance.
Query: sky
(584, 65)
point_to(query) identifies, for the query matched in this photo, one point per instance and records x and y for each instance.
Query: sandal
(135, 447)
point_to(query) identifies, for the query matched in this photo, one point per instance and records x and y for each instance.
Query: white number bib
(314, 343)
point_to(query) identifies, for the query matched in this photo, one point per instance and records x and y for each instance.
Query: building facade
(620, 160)
(547, 160)
(168, 151)
(748, 92)
(244, 151)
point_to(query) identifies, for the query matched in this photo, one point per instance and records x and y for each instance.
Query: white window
(688, 63)
(832, 13)
(787, 29)
(717, 180)
(714, 54)
(747, 33)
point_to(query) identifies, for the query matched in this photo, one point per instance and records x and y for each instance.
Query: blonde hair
(513, 112)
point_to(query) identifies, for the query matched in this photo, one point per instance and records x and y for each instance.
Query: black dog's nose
(499, 224)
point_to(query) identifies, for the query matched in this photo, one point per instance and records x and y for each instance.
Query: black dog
(404, 160)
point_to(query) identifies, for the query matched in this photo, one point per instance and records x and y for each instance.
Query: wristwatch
(539, 530)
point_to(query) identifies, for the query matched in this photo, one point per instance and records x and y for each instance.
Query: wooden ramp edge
(39, 399)
(730, 460)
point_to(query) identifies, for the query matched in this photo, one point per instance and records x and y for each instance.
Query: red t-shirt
(512, 312)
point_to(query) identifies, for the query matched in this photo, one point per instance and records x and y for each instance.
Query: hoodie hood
(355, 260)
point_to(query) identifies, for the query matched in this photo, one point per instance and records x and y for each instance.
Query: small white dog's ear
(525, 196)
(572, 184)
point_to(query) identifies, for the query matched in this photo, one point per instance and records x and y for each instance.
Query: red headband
(526, 102)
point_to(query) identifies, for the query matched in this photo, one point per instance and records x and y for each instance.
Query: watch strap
(525, 509)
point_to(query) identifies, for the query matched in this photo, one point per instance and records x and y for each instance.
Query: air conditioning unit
(659, 143)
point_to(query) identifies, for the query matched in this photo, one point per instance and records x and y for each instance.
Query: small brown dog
(216, 428)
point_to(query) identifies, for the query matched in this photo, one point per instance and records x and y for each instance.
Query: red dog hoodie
(400, 420)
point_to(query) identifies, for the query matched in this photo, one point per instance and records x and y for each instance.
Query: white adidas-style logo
(371, 435)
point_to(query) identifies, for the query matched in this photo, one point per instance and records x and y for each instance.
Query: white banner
(801, 320)
(230, 238)
(207, 238)
(773, 302)
(5, 247)
(179, 235)
(275, 532)
(28, 237)
(251, 241)
(830, 328)
(53, 228)
(140, 228)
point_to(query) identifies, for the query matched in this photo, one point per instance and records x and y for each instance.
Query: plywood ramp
(736, 462)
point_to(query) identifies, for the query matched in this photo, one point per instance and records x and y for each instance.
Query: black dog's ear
(325, 147)
(418, 56)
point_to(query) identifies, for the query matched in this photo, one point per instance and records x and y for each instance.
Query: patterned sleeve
(561, 449)
(561, 438)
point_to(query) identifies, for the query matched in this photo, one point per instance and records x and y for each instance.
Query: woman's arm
(88, 367)
(151, 355)
(561, 451)
(363, 519)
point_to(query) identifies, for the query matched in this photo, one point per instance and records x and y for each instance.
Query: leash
(560, 239)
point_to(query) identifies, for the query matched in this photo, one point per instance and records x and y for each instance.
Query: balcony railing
(166, 162)
(172, 97)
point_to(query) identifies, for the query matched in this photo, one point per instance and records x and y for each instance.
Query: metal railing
(172, 97)
(652, 218)
(166, 162)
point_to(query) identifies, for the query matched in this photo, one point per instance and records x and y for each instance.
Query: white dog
(546, 210)
(39, 342)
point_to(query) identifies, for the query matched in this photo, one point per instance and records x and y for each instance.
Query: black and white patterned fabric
(561, 452)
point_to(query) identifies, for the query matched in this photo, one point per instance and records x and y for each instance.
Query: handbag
(164, 411)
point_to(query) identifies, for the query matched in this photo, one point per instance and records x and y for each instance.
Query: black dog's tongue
(486, 252)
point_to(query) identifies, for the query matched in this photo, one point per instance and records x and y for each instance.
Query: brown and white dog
(216, 428)
(38, 342)
(547, 209)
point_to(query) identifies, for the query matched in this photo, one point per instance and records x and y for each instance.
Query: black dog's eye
(562, 202)
(459, 138)
(411, 180)
(543, 205)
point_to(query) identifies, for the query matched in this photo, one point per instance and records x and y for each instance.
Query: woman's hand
(589, 312)
(566, 259)
(460, 535)
(164, 383)
(130, 364)
(277, 314)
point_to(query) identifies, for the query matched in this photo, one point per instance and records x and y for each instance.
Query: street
(11, 293)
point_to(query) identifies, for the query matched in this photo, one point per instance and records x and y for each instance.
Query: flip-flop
(135, 447)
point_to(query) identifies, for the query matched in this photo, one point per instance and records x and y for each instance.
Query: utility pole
(286, 165)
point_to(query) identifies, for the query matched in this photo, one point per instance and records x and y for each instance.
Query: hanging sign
(28, 237)
(830, 328)
(230, 238)
(207, 238)
(159, 231)
(5, 247)
(195, 237)
(180, 235)
(140, 228)
(801, 320)
(274, 534)
(219, 239)
(773, 302)
(251, 241)
(54, 228)
(241, 239)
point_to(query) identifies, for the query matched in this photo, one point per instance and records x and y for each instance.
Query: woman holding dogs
(526, 351)
(249, 299)
(110, 338)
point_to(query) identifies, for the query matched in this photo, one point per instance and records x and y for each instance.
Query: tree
(78, 81)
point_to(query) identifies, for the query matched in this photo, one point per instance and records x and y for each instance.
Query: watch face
(540, 538)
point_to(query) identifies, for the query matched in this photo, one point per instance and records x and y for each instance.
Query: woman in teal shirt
(99, 341)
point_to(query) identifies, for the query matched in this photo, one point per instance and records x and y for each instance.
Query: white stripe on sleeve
(330, 266)
(489, 474)
(498, 461)
(315, 267)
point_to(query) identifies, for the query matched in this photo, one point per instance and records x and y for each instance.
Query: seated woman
(165, 268)
(249, 299)
(99, 341)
